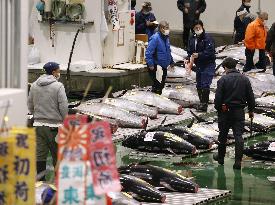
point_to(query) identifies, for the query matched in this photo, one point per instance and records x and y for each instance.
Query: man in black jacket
(240, 26)
(233, 93)
(240, 22)
(191, 10)
(270, 44)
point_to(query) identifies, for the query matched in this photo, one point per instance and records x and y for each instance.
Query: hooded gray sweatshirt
(47, 100)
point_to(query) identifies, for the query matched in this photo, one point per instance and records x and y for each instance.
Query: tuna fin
(171, 151)
(120, 94)
(147, 120)
(107, 94)
(199, 119)
(163, 121)
(191, 123)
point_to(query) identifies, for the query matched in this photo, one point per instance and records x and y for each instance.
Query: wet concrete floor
(249, 186)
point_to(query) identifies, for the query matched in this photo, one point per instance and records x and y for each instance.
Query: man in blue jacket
(145, 20)
(202, 49)
(158, 53)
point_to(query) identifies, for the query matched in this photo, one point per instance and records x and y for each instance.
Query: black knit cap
(197, 22)
(229, 63)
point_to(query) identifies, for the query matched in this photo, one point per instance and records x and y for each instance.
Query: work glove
(251, 115)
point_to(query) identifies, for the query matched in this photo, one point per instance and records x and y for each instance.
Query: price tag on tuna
(272, 147)
(149, 137)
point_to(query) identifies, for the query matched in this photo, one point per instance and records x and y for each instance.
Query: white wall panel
(218, 17)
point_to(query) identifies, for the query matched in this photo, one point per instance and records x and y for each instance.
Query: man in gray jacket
(48, 103)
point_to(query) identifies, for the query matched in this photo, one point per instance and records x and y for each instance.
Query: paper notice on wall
(159, 74)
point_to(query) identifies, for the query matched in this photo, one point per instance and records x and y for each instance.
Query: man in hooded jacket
(48, 103)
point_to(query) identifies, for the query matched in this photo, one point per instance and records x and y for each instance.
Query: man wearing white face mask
(158, 53)
(246, 4)
(145, 20)
(201, 48)
(48, 103)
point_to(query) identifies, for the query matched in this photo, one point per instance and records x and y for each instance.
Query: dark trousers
(273, 58)
(45, 139)
(157, 86)
(232, 119)
(261, 64)
(204, 76)
(185, 37)
(239, 37)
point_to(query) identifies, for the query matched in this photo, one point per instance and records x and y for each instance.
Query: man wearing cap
(48, 103)
(233, 94)
(191, 10)
(146, 20)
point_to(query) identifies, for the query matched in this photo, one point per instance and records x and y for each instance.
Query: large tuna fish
(261, 123)
(262, 150)
(159, 142)
(141, 190)
(270, 112)
(123, 117)
(148, 98)
(267, 102)
(203, 130)
(200, 141)
(184, 95)
(134, 107)
(120, 198)
(160, 177)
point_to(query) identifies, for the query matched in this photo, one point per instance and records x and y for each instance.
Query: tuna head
(177, 144)
(140, 189)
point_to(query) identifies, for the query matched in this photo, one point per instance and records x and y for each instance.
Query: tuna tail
(191, 123)
(199, 119)
(119, 94)
(145, 123)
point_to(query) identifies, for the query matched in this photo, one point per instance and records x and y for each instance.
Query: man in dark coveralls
(191, 10)
(233, 93)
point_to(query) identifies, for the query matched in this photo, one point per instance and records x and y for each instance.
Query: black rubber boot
(41, 167)
(204, 99)
(237, 165)
(218, 159)
(199, 90)
(238, 155)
